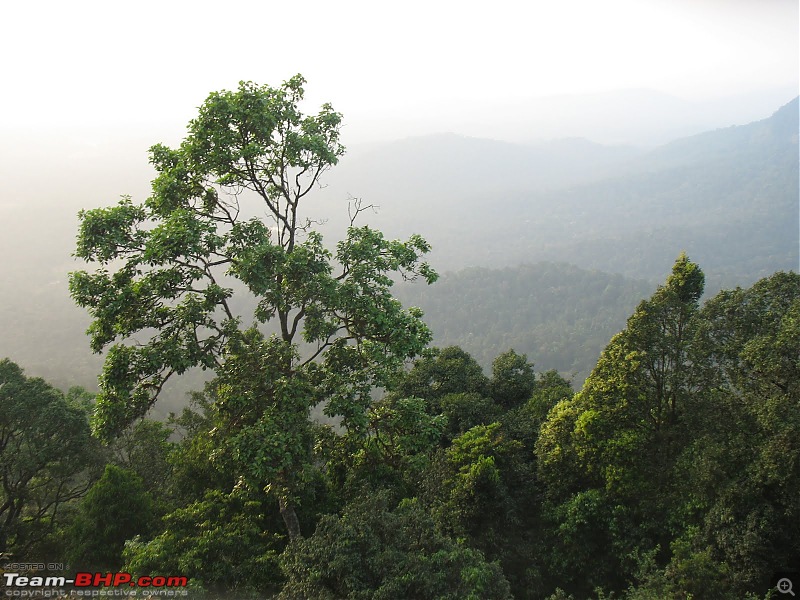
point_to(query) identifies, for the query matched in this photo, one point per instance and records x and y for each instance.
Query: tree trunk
(290, 519)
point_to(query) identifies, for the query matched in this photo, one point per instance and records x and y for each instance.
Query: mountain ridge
(639, 210)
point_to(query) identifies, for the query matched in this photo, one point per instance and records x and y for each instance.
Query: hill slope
(559, 315)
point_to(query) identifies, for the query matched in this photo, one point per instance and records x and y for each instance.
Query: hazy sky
(146, 62)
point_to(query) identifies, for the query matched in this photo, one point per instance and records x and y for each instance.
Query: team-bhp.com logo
(85, 584)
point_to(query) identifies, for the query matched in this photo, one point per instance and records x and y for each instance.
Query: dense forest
(641, 442)
(673, 471)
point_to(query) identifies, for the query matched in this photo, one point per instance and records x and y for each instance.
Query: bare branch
(356, 207)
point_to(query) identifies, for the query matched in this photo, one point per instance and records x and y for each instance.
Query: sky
(150, 63)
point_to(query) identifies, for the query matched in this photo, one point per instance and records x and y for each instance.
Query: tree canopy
(174, 272)
(45, 451)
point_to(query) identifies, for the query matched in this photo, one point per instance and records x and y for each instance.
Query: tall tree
(173, 271)
(607, 455)
(632, 403)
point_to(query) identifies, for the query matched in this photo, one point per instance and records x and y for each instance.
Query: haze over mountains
(639, 117)
(728, 197)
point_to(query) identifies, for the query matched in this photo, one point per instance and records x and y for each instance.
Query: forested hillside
(560, 316)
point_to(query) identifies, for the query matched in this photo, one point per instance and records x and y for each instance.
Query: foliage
(744, 471)
(115, 509)
(513, 379)
(607, 454)
(221, 541)
(466, 410)
(608, 493)
(144, 448)
(550, 389)
(482, 488)
(632, 404)
(377, 550)
(191, 467)
(443, 371)
(45, 456)
(642, 471)
(394, 455)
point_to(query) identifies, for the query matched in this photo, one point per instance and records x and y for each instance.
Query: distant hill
(770, 140)
(729, 198)
(447, 163)
(640, 117)
(559, 315)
